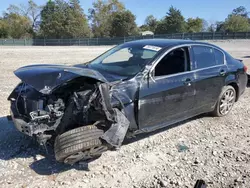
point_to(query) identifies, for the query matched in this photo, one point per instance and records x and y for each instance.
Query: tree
(30, 11)
(78, 23)
(236, 23)
(151, 23)
(123, 24)
(52, 20)
(17, 9)
(211, 28)
(220, 26)
(18, 26)
(144, 27)
(162, 27)
(34, 12)
(174, 22)
(205, 25)
(194, 25)
(241, 11)
(3, 29)
(101, 16)
(61, 19)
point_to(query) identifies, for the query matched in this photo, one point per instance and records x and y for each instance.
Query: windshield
(125, 60)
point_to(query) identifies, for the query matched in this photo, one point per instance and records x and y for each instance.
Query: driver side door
(167, 96)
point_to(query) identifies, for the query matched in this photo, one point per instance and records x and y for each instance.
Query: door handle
(188, 82)
(223, 72)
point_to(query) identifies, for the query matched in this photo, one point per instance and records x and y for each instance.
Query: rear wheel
(78, 144)
(225, 102)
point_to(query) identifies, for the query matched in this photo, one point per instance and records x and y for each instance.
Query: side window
(204, 56)
(219, 57)
(174, 62)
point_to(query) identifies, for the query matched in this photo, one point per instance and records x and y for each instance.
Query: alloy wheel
(227, 102)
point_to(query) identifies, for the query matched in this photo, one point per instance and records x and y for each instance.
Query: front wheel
(79, 144)
(225, 102)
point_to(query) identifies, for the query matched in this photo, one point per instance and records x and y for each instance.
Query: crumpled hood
(45, 78)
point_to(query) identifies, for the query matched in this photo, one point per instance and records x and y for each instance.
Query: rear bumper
(244, 81)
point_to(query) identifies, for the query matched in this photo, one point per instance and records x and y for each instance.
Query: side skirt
(167, 124)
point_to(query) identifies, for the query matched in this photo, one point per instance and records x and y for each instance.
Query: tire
(218, 110)
(77, 140)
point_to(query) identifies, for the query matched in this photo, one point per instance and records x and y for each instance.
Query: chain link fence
(120, 40)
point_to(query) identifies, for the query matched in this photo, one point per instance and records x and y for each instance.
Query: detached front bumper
(19, 122)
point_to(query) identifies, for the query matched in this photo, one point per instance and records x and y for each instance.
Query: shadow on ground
(14, 145)
(145, 135)
(246, 56)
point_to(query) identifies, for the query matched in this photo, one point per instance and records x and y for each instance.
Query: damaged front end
(79, 101)
(43, 116)
(35, 114)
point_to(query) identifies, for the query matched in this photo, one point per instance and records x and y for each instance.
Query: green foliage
(241, 11)
(174, 22)
(162, 27)
(101, 16)
(108, 18)
(31, 10)
(194, 25)
(4, 30)
(17, 26)
(151, 23)
(220, 26)
(60, 19)
(144, 28)
(236, 23)
(123, 24)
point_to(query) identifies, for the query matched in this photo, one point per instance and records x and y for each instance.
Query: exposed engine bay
(72, 105)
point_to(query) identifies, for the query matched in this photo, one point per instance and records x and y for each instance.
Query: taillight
(245, 68)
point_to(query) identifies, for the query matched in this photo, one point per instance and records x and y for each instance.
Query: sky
(211, 10)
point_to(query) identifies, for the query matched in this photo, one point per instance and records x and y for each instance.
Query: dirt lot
(218, 148)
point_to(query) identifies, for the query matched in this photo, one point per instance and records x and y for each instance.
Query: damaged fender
(118, 130)
(46, 78)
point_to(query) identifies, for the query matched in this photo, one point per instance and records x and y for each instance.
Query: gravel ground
(214, 149)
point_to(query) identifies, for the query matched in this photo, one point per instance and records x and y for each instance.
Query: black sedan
(135, 87)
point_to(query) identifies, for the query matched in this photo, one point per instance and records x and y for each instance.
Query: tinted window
(174, 62)
(219, 57)
(125, 60)
(119, 56)
(204, 57)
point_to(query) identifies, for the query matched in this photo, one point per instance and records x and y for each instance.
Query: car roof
(164, 43)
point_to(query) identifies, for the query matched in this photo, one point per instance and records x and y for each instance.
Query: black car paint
(164, 99)
(150, 103)
(46, 78)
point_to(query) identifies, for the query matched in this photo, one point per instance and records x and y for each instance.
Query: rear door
(168, 96)
(210, 72)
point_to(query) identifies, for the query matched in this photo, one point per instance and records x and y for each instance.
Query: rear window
(207, 57)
